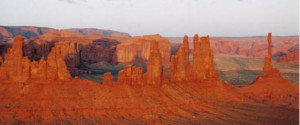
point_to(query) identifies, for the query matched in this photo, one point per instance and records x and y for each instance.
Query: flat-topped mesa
(268, 69)
(154, 66)
(19, 69)
(203, 67)
(180, 64)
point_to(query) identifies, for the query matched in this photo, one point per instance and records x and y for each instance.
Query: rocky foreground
(44, 93)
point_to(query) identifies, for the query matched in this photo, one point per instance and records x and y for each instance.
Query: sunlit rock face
(268, 69)
(139, 47)
(203, 67)
(180, 64)
(18, 68)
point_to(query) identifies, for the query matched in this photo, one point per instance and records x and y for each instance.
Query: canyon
(40, 90)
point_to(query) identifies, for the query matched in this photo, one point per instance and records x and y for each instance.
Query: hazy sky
(165, 17)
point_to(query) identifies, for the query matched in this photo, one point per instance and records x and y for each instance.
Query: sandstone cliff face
(19, 69)
(180, 64)
(56, 66)
(154, 76)
(290, 57)
(14, 61)
(203, 68)
(69, 51)
(103, 50)
(154, 65)
(139, 47)
(223, 46)
(35, 49)
(243, 49)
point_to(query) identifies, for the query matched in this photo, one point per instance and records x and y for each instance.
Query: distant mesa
(8, 32)
(139, 47)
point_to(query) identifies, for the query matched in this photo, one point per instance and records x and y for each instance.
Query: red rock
(56, 66)
(139, 47)
(107, 78)
(165, 79)
(173, 69)
(243, 50)
(183, 65)
(131, 75)
(290, 57)
(268, 69)
(203, 68)
(271, 86)
(20, 69)
(1, 60)
(154, 66)
(223, 46)
(69, 51)
(35, 49)
(137, 76)
(13, 63)
(42, 72)
(121, 77)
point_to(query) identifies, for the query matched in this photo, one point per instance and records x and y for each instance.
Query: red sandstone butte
(203, 68)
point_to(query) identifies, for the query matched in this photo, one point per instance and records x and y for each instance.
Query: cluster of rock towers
(202, 68)
(180, 70)
(18, 68)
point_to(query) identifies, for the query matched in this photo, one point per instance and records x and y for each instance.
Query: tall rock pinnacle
(154, 66)
(180, 64)
(268, 70)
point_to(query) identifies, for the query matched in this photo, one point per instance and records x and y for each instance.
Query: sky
(165, 17)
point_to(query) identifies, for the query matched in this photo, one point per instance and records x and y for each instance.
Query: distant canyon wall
(79, 50)
(283, 46)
